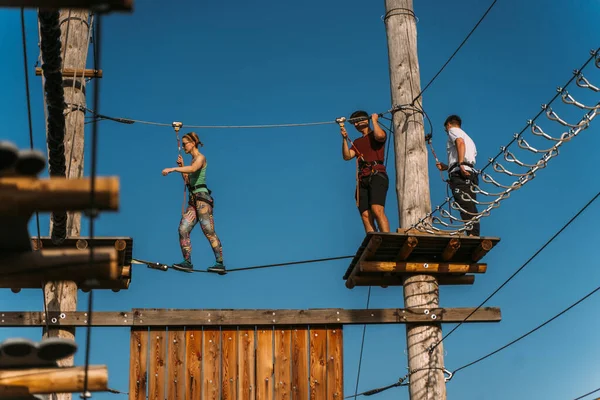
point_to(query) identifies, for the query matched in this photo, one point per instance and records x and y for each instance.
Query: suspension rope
(362, 344)
(529, 332)
(138, 261)
(587, 394)
(519, 269)
(92, 211)
(456, 51)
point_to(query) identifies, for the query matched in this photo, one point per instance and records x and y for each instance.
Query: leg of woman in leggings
(205, 216)
(187, 223)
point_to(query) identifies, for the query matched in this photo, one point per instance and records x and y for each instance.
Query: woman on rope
(200, 206)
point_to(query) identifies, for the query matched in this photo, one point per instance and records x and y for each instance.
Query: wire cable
(520, 269)
(92, 211)
(587, 394)
(528, 333)
(362, 345)
(456, 51)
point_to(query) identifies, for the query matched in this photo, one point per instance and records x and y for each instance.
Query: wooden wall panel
(229, 379)
(283, 364)
(318, 368)
(138, 363)
(158, 356)
(236, 363)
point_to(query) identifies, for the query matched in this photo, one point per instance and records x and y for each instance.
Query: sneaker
(185, 265)
(218, 268)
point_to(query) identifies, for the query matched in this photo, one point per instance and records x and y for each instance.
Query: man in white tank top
(461, 168)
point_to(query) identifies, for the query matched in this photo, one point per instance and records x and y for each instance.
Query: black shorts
(372, 190)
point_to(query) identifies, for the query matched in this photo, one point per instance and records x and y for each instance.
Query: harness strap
(456, 164)
(200, 186)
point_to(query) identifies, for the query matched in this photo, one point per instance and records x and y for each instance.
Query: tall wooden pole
(74, 27)
(412, 187)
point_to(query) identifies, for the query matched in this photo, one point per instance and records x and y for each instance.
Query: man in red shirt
(372, 179)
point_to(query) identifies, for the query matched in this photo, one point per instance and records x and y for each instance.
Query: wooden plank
(175, 368)
(318, 364)
(193, 364)
(335, 362)
(421, 267)
(283, 364)
(300, 355)
(138, 363)
(56, 264)
(33, 282)
(211, 363)
(116, 5)
(451, 249)
(246, 364)
(16, 382)
(87, 73)
(264, 363)
(156, 373)
(23, 195)
(397, 280)
(324, 316)
(369, 251)
(229, 379)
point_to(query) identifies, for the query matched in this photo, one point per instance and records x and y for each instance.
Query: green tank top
(198, 178)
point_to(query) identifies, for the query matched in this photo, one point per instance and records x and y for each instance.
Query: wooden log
(16, 283)
(193, 364)
(416, 267)
(23, 196)
(176, 358)
(451, 248)
(115, 5)
(246, 364)
(481, 250)
(300, 354)
(283, 364)
(14, 382)
(264, 363)
(138, 363)
(120, 246)
(398, 280)
(370, 249)
(70, 72)
(318, 363)
(409, 245)
(229, 377)
(156, 373)
(62, 264)
(335, 362)
(211, 361)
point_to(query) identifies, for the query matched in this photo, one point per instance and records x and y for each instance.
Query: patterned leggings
(203, 212)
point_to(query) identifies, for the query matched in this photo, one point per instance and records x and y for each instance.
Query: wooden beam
(114, 5)
(265, 317)
(416, 267)
(15, 382)
(481, 250)
(62, 264)
(16, 284)
(370, 249)
(407, 248)
(23, 196)
(451, 248)
(397, 280)
(70, 72)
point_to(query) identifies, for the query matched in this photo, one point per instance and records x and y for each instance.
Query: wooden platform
(118, 279)
(384, 258)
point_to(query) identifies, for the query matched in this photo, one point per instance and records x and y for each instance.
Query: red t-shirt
(371, 150)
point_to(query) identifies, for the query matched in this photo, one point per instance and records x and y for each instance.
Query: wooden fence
(236, 363)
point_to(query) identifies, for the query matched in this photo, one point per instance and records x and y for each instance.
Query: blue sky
(285, 194)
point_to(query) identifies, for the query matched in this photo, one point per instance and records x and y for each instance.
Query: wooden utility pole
(412, 187)
(74, 26)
